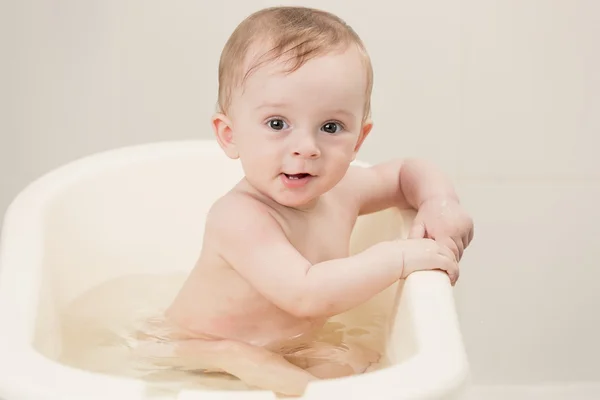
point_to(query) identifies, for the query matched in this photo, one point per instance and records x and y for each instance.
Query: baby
(294, 108)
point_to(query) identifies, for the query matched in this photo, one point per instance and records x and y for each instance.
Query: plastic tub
(140, 210)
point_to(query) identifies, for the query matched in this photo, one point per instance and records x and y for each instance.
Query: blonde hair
(296, 34)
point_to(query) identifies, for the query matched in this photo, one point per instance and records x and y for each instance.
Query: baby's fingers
(448, 248)
(450, 266)
(468, 238)
(460, 245)
(453, 274)
(449, 262)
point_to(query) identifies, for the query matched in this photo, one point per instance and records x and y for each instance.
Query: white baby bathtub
(140, 210)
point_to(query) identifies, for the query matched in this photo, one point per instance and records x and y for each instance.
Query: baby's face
(297, 133)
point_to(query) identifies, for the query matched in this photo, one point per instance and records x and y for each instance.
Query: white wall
(505, 95)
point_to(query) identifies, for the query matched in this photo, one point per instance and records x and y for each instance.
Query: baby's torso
(226, 306)
(319, 236)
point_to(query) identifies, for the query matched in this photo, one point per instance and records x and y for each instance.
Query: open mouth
(297, 176)
(296, 181)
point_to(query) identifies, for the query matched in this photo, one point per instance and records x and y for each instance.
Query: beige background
(505, 95)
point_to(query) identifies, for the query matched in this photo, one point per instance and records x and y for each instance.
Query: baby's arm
(255, 245)
(398, 183)
(419, 185)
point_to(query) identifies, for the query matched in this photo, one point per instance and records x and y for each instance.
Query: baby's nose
(307, 148)
(314, 153)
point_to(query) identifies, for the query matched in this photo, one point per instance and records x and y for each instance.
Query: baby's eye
(331, 127)
(277, 124)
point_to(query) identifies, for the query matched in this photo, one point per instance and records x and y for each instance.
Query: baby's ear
(224, 134)
(364, 132)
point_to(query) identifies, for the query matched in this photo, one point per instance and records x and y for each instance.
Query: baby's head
(294, 101)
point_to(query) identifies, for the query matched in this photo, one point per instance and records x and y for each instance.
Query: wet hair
(291, 35)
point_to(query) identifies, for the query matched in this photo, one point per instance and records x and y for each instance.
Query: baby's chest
(322, 239)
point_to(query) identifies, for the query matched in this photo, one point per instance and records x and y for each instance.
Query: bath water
(97, 329)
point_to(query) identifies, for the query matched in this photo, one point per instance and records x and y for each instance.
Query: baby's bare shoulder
(350, 188)
(355, 176)
(373, 188)
(237, 211)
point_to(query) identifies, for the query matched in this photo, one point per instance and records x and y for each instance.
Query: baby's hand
(427, 254)
(445, 221)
